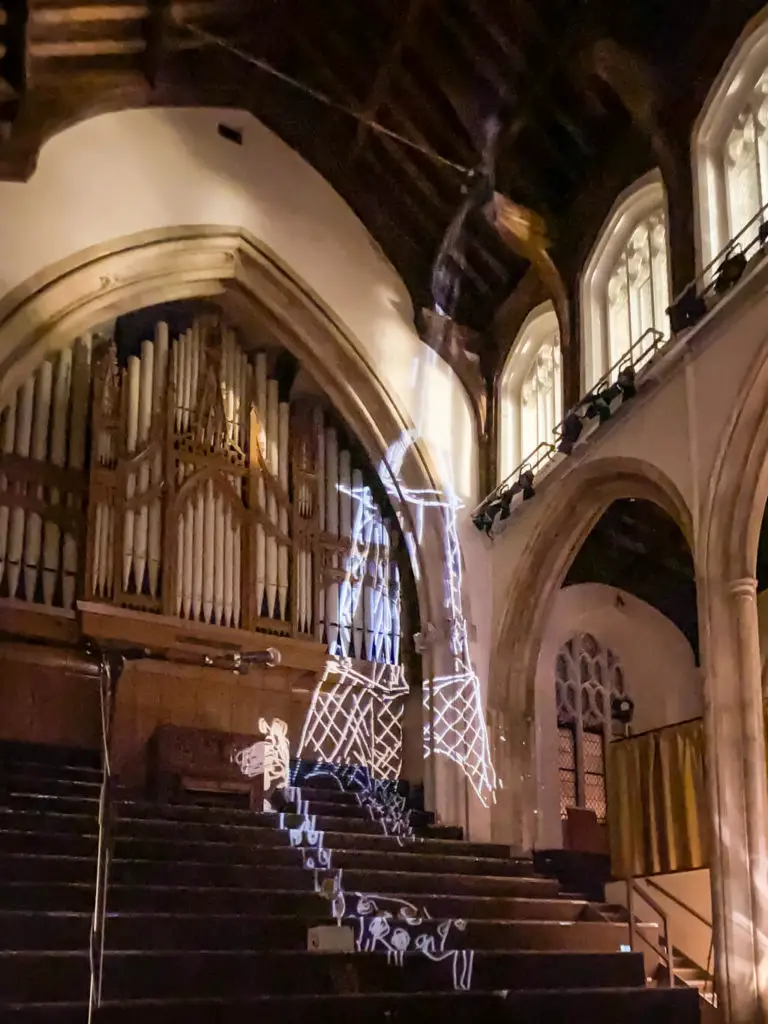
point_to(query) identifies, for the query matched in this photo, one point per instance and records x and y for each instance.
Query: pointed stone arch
(565, 519)
(232, 268)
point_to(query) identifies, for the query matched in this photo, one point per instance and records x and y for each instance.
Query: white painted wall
(136, 170)
(660, 675)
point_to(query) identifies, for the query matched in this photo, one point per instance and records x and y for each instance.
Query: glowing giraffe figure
(454, 701)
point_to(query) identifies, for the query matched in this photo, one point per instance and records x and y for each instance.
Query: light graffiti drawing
(384, 923)
(455, 724)
(356, 717)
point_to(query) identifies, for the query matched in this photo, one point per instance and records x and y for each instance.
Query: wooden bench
(202, 760)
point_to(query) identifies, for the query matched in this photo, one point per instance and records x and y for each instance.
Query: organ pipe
(209, 495)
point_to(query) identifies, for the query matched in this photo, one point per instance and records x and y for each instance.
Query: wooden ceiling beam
(394, 149)
(404, 33)
(480, 60)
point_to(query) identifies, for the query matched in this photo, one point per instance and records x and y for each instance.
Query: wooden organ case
(181, 499)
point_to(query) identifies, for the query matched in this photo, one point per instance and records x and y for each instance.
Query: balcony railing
(622, 380)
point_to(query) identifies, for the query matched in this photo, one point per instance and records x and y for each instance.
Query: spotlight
(762, 234)
(730, 272)
(525, 484)
(599, 406)
(506, 501)
(483, 522)
(626, 381)
(622, 709)
(687, 311)
(570, 433)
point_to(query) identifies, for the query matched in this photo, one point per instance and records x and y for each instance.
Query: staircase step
(235, 900)
(131, 808)
(205, 974)
(64, 976)
(190, 873)
(36, 930)
(268, 835)
(43, 897)
(275, 852)
(607, 1006)
(49, 754)
(44, 930)
(36, 770)
(43, 803)
(17, 783)
(329, 795)
(24, 867)
(14, 841)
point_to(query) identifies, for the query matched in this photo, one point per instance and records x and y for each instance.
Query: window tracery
(730, 149)
(625, 285)
(588, 677)
(531, 390)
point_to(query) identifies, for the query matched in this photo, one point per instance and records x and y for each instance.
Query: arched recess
(566, 519)
(248, 281)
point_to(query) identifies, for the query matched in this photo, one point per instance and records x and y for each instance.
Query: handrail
(727, 249)
(633, 889)
(699, 287)
(666, 954)
(107, 684)
(680, 903)
(548, 449)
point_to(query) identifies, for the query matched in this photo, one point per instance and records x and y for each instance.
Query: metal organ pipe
(211, 499)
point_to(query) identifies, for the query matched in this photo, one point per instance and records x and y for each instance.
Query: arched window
(730, 147)
(625, 284)
(587, 678)
(531, 392)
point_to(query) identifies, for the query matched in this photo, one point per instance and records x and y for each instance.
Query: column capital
(744, 587)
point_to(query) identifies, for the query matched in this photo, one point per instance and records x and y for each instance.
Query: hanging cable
(321, 97)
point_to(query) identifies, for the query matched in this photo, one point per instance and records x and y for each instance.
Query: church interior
(383, 511)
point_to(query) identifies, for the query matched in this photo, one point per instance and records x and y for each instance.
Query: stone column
(733, 719)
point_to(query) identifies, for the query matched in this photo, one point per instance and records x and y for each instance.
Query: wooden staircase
(209, 906)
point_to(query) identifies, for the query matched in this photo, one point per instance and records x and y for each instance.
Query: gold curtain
(658, 820)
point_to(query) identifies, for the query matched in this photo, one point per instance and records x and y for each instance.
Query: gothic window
(638, 293)
(625, 285)
(731, 149)
(587, 678)
(531, 400)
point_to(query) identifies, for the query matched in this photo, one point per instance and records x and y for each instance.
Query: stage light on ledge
(730, 271)
(570, 432)
(687, 311)
(525, 484)
(626, 380)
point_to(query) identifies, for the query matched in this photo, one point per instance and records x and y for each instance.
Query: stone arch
(570, 511)
(732, 513)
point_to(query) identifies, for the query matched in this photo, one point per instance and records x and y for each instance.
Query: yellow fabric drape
(657, 806)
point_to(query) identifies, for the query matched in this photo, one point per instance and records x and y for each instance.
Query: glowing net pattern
(356, 717)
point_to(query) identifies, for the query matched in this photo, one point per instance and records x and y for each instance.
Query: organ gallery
(180, 488)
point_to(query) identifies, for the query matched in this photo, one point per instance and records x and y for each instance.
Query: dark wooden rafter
(563, 95)
(13, 64)
(405, 31)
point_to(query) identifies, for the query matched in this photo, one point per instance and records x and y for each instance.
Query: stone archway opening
(618, 655)
(535, 604)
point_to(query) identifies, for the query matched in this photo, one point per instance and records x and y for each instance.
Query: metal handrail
(667, 954)
(104, 846)
(728, 248)
(633, 889)
(547, 450)
(680, 903)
